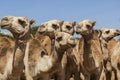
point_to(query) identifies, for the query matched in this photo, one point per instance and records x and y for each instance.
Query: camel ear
(61, 23)
(99, 33)
(93, 23)
(32, 22)
(74, 23)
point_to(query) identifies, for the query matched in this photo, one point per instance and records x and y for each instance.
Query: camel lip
(72, 45)
(109, 38)
(4, 26)
(41, 32)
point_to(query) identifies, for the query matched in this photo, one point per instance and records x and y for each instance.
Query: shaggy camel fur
(20, 28)
(106, 36)
(92, 61)
(6, 50)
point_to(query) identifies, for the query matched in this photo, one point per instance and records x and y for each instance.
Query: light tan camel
(20, 28)
(90, 50)
(71, 56)
(115, 59)
(6, 48)
(107, 43)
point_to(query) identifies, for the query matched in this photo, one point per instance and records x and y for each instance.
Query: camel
(45, 40)
(114, 46)
(6, 48)
(71, 57)
(115, 59)
(107, 43)
(90, 50)
(20, 28)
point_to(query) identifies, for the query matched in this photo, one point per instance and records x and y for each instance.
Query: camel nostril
(72, 38)
(43, 53)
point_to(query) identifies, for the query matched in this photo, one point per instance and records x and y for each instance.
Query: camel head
(108, 34)
(48, 28)
(18, 26)
(64, 40)
(85, 27)
(68, 27)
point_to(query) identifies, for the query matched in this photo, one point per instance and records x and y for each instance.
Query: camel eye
(42, 26)
(88, 26)
(55, 26)
(6, 19)
(59, 39)
(21, 22)
(68, 27)
(107, 32)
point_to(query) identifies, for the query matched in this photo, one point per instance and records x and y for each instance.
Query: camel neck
(57, 54)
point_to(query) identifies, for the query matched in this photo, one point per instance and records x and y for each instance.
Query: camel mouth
(4, 26)
(17, 31)
(77, 32)
(42, 32)
(72, 45)
(109, 38)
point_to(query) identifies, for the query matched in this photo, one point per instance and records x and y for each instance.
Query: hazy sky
(105, 12)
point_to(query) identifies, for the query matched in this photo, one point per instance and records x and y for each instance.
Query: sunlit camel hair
(45, 40)
(92, 54)
(115, 58)
(20, 28)
(49, 64)
(6, 48)
(107, 41)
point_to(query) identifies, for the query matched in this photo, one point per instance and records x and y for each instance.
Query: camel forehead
(107, 29)
(53, 21)
(68, 23)
(16, 18)
(86, 22)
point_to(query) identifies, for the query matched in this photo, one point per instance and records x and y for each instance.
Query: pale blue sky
(105, 12)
